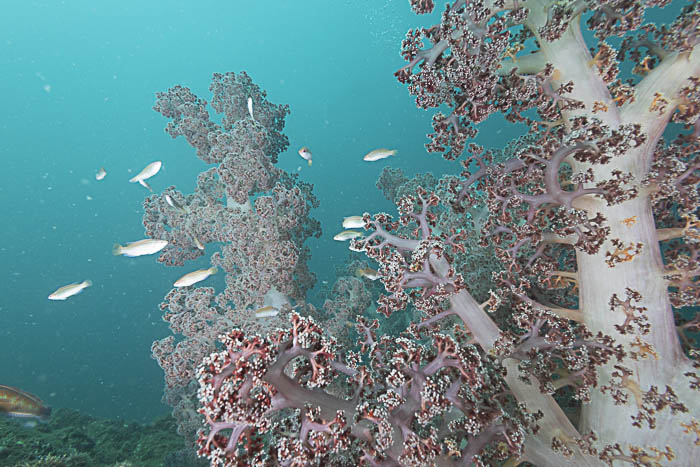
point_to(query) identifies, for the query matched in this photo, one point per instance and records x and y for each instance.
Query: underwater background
(78, 84)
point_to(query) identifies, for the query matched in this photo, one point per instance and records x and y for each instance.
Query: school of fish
(18, 403)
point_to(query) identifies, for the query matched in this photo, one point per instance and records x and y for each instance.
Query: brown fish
(17, 403)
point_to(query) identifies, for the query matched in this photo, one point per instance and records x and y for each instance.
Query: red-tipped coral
(540, 294)
(256, 215)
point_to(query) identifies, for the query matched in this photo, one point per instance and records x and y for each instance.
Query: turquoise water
(78, 83)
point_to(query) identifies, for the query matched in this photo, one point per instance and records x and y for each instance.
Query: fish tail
(213, 269)
(309, 162)
(44, 413)
(117, 249)
(87, 283)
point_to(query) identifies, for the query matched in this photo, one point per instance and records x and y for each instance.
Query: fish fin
(143, 183)
(309, 162)
(117, 249)
(87, 283)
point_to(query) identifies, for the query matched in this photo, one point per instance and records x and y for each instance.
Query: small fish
(305, 154)
(378, 154)
(347, 235)
(267, 312)
(147, 246)
(353, 222)
(102, 173)
(197, 243)
(195, 276)
(250, 107)
(174, 204)
(368, 273)
(69, 290)
(147, 172)
(17, 403)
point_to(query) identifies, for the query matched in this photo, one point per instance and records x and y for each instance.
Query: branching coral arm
(486, 333)
(657, 95)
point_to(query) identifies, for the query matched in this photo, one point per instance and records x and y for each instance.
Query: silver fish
(147, 172)
(305, 154)
(174, 204)
(347, 235)
(195, 276)
(353, 222)
(250, 107)
(147, 246)
(69, 290)
(378, 154)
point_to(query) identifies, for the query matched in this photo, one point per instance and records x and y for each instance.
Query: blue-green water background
(77, 83)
